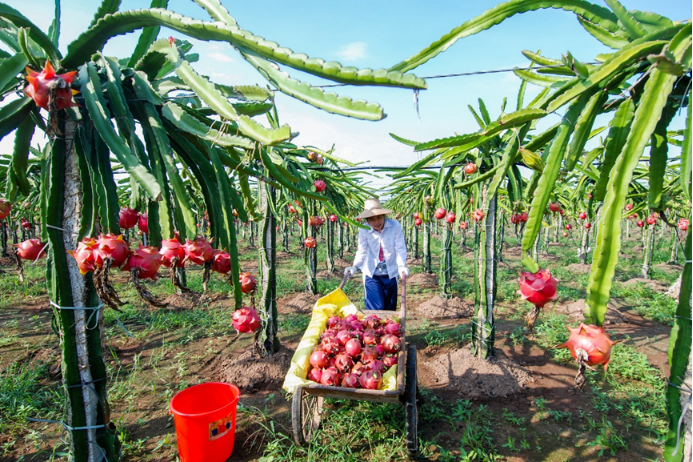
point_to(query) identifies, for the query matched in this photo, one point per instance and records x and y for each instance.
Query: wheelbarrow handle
(344, 280)
(404, 294)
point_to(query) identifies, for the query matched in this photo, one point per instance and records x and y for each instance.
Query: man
(381, 256)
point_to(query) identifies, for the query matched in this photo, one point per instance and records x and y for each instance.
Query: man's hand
(350, 271)
(403, 272)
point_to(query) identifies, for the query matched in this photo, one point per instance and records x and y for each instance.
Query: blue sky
(376, 35)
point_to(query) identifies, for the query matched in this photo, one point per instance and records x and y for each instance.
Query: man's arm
(400, 247)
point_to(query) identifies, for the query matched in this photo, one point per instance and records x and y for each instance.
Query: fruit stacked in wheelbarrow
(383, 370)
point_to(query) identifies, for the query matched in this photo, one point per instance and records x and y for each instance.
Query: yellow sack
(335, 303)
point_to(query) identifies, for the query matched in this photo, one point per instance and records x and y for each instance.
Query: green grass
(26, 392)
(350, 431)
(293, 324)
(14, 293)
(431, 334)
(183, 325)
(632, 387)
(647, 302)
(627, 404)
(290, 283)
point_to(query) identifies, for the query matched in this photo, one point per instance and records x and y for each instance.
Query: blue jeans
(381, 293)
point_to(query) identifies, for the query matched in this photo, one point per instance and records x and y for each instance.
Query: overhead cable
(464, 74)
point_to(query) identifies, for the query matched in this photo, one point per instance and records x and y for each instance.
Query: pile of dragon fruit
(355, 353)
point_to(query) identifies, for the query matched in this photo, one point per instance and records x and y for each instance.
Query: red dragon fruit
(198, 251)
(113, 247)
(221, 262)
(351, 380)
(593, 340)
(344, 363)
(31, 249)
(371, 380)
(4, 209)
(40, 83)
(319, 185)
(538, 288)
(391, 343)
(314, 374)
(147, 259)
(319, 359)
(128, 218)
(85, 255)
(248, 282)
(440, 213)
(330, 377)
(246, 320)
(368, 354)
(143, 223)
(353, 347)
(170, 249)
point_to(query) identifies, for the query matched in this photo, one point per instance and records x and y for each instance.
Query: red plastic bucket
(205, 419)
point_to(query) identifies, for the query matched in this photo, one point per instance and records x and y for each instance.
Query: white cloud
(353, 51)
(220, 57)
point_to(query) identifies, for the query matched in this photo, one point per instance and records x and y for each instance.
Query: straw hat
(373, 208)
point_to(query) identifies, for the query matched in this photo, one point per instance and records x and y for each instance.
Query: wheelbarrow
(308, 399)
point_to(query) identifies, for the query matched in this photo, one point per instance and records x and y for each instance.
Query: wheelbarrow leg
(412, 399)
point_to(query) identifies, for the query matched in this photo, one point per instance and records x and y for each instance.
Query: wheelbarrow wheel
(306, 412)
(411, 403)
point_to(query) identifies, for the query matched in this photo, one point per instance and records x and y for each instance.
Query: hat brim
(373, 213)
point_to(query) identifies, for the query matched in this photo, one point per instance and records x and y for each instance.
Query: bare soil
(8, 262)
(540, 380)
(411, 262)
(190, 300)
(623, 323)
(302, 303)
(581, 268)
(324, 274)
(458, 371)
(249, 266)
(575, 310)
(441, 308)
(509, 250)
(423, 280)
(514, 381)
(651, 283)
(250, 373)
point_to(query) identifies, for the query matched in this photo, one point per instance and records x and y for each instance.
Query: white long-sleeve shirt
(394, 249)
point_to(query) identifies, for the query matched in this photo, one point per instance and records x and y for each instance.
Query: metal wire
(97, 310)
(72, 429)
(465, 74)
(67, 427)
